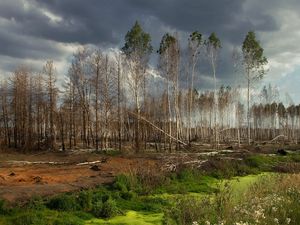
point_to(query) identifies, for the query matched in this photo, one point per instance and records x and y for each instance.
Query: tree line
(106, 100)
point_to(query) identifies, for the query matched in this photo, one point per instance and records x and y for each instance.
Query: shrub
(105, 210)
(85, 200)
(97, 209)
(109, 209)
(122, 183)
(127, 195)
(63, 203)
(36, 203)
(3, 209)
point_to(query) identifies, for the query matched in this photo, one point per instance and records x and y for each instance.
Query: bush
(109, 209)
(3, 209)
(85, 200)
(127, 195)
(122, 183)
(36, 203)
(97, 209)
(105, 210)
(64, 203)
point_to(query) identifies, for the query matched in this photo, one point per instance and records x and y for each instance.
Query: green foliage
(143, 203)
(263, 162)
(188, 209)
(109, 209)
(85, 200)
(187, 180)
(36, 203)
(65, 202)
(97, 209)
(105, 209)
(137, 42)
(28, 218)
(166, 43)
(122, 183)
(213, 42)
(212, 200)
(127, 195)
(67, 221)
(196, 37)
(253, 53)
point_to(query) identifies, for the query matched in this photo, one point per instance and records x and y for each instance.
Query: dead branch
(157, 128)
(88, 163)
(274, 139)
(38, 162)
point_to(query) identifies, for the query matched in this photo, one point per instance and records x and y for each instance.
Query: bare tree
(49, 72)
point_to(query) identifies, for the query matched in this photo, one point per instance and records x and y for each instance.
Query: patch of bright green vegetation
(47, 217)
(240, 185)
(131, 218)
(269, 200)
(150, 198)
(187, 181)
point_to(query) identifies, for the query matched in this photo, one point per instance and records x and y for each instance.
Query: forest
(105, 100)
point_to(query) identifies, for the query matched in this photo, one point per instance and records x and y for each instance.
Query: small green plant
(109, 209)
(97, 209)
(105, 209)
(85, 200)
(36, 203)
(65, 202)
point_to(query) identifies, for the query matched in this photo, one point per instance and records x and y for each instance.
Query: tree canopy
(137, 41)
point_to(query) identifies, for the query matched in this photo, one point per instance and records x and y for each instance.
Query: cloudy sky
(33, 31)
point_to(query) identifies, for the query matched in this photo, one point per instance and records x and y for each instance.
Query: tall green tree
(213, 45)
(254, 63)
(194, 45)
(169, 60)
(137, 49)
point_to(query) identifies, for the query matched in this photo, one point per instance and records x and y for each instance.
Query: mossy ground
(131, 218)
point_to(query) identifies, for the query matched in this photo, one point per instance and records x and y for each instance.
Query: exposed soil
(23, 176)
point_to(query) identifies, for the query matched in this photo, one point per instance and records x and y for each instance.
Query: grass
(131, 218)
(271, 199)
(146, 198)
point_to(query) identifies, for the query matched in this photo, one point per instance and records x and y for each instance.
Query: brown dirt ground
(21, 180)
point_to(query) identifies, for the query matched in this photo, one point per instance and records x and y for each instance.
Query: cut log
(88, 163)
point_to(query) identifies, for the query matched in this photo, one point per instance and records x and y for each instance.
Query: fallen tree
(157, 128)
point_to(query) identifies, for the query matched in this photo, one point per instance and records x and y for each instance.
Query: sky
(33, 31)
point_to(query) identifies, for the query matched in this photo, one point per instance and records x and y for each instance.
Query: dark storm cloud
(20, 46)
(32, 29)
(95, 21)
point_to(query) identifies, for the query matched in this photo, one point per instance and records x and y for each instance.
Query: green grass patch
(131, 218)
